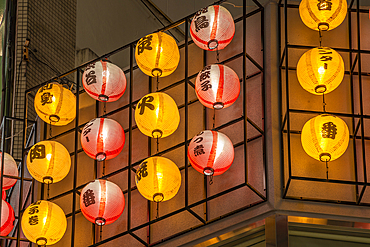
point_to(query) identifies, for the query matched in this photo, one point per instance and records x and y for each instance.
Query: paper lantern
(55, 104)
(157, 115)
(44, 223)
(104, 81)
(11, 169)
(102, 202)
(48, 162)
(324, 14)
(211, 152)
(7, 218)
(217, 86)
(3, 195)
(325, 137)
(158, 179)
(102, 139)
(157, 54)
(320, 70)
(212, 28)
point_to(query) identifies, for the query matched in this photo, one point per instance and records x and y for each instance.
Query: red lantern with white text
(211, 152)
(212, 28)
(7, 218)
(102, 202)
(10, 168)
(217, 86)
(104, 81)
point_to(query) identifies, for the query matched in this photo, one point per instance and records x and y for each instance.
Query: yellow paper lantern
(55, 104)
(44, 223)
(157, 54)
(157, 115)
(158, 179)
(324, 14)
(325, 137)
(48, 162)
(320, 70)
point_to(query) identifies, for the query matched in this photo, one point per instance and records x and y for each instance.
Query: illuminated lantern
(157, 54)
(158, 179)
(217, 86)
(48, 162)
(3, 195)
(211, 152)
(325, 137)
(102, 202)
(11, 169)
(320, 70)
(104, 81)
(323, 15)
(102, 139)
(55, 104)
(44, 223)
(212, 28)
(7, 218)
(157, 115)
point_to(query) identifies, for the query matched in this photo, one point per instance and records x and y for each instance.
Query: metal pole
(245, 89)
(186, 109)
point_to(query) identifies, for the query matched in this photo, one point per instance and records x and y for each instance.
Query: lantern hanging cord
(327, 170)
(323, 102)
(101, 232)
(217, 55)
(157, 82)
(157, 144)
(105, 108)
(103, 168)
(320, 37)
(50, 134)
(157, 210)
(214, 118)
(48, 191)
(211, 179)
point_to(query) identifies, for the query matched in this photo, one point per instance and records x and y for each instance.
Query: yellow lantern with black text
(55, 104)
(44, 223)
(320, 70)
(158, 179)
(157, 54)
(48, 162)
(157, 115)
(325, 137)
(324, 14)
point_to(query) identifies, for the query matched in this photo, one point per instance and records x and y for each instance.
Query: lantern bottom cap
(103, 97)
(47, 180)
(320, 89)
(323, 26)
(41, 241)
(325, 157)
(100, 221)
(218, 105)
(100, 156)
(208, 171)
(156, 72)
(54, 118)
(157, 133)
(212, 44)
(158, 197)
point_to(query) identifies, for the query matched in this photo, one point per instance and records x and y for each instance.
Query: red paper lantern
(7, 218)
(217, 86)
(211, 152)
(3, 195)
(104, 81)
(102, 202)
(10, 168)
(102, 138)
(212, 28)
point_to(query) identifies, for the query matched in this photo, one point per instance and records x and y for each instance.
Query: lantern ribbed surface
(55, 104)
(323, 15)
(10, 168)
(102, 202)
(3, 195)
(102, 139)
(211, 152)
(157, 54)
(44, 223)
(325, 137)
(320, 70)
(48, 162)
(158, 179)
(7, 218)
(157, 115)
(212, 28)
(217, 86)
(104, 81)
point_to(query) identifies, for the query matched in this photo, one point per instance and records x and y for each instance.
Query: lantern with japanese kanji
(157, 115)
(44, 223)
(7, 218)
(102, 139)
(158, 179)
(212, 28)
(11, 169)
(55, 104)
(48, 162)
(324, 14)
(320, 70)
(104, 81)
(217, 86)
(325, 137)
(211, 152)
(102, 202)
(157, 54)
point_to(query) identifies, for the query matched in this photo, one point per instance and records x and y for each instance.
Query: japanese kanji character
(46, 98)
(329, 130)
(142, 172)
(88, 198)
(33, 220)
(324, 4)
(90, 77)
(199, 150)
(33, 210)
(206, 85)
(37, 152)
(46, 87)
(199, 139)
(144, 43)
(201, 22)
(144, 103)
